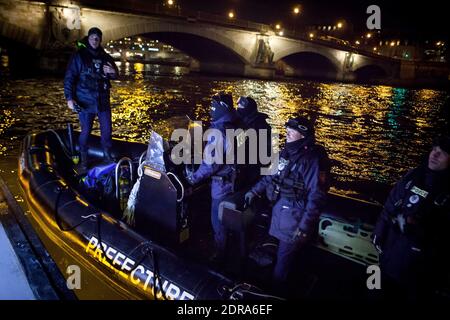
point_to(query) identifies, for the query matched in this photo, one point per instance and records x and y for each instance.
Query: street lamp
(170, 2)
(278, 26)
(339, 25)
(296, 12)
(231, 15)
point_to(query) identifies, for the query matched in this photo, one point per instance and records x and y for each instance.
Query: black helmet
(218, 109)
(302, 125)
(226, 98)
(246, 106)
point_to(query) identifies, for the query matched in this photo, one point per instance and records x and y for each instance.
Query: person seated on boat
(411, 234)
(298, 192)
(223, 175)
(87, 90)
(250, 118)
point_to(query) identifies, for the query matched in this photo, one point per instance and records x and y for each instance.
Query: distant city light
(296, 10)
(139, 39)
(374, 48)
(369, 35)
(278, 26)
(231, 14)
(392, 43)
(281, 33)
(311, 35)
(170, 2)
(339, 25)
(357, 42)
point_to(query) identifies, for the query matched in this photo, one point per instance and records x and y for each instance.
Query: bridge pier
(260, 72)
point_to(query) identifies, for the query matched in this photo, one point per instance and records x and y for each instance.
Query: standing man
(298, 190)
(250, 118)
(412, 231)
(86, 87)
(223, 175)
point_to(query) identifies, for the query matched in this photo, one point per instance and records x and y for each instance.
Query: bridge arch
(370, 72)
(243, 54)
(309, 64)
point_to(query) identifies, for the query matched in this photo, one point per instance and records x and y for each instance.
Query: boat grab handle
(181, 185)
(124, 159)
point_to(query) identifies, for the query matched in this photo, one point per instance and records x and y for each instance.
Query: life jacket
(289, 183)
(91, 75)
(418, 202)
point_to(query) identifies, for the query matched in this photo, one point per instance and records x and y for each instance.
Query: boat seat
(159, 213)
(237, 219)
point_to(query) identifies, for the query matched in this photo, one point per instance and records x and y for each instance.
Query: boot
(107, 155)
(83, 161)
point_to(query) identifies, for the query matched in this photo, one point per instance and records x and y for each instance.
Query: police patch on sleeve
(414, 199)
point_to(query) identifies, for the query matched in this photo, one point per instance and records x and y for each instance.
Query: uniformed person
(412, 231)
(223, 175)
(298, 192)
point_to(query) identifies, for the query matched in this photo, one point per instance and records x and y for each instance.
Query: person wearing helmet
(222, 174)
(297, 192)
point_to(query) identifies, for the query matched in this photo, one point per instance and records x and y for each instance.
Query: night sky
(427, 19)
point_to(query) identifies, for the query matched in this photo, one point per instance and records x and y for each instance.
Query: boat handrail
(181, 185)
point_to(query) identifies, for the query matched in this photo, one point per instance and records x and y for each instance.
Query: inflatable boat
(163, 253)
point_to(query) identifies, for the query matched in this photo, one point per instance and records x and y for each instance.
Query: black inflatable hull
(130, 264)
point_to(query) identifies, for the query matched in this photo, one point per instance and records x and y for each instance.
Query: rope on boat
(128, 214)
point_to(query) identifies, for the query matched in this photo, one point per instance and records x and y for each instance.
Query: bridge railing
(143, 7)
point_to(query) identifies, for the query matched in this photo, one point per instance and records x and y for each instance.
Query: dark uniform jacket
(222, 174)
(85, 81)
(301, 192)
(256, 121)
(412, 230)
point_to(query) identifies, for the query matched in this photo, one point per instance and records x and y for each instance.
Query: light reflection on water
(372, 133)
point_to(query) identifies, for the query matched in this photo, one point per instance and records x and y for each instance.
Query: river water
(373, 134)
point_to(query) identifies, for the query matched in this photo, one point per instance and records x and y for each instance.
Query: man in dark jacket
(250, 118)
(223, 175)
(297, 190)
(86, 87)
(412, 231)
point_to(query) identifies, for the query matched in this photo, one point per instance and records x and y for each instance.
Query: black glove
(249, 197)
(189, 175)
(76, 107)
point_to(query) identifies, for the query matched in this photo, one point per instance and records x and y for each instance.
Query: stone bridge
(218, 45)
